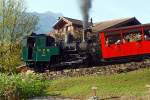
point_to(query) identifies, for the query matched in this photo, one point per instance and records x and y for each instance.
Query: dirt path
(51, 98)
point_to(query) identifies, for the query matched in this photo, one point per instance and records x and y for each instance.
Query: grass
(132, 83)
(33, 85)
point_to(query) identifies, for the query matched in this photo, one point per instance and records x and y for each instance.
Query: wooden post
(148, 86)
(94, 89)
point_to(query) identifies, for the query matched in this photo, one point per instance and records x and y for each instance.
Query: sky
(102, 9)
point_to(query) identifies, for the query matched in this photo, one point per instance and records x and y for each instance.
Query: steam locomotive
(42, 52)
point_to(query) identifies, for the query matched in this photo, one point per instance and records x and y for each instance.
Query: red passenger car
(126, 41)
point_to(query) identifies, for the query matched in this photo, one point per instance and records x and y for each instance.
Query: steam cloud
(86, 5)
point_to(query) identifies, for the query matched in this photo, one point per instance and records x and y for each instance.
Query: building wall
(66, 28)
(75, 30)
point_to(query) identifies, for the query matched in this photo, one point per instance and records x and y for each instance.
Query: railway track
(93, 70)
(104, 69)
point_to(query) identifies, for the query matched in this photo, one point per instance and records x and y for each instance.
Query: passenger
(107, 42)
(118, 42)
(133, 37)
(146, 37)
(139, 37)
(124, 40)
(127, 38)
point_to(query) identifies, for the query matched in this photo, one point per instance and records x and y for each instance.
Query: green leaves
(22, 85)
(15, 23)
(10, 57)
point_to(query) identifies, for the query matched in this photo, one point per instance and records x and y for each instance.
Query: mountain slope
(46, 21)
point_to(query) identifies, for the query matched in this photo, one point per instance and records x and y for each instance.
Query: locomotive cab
(28, 44)
(38, 50)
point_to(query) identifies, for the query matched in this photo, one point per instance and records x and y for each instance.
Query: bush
(10, 57)
(21, 86)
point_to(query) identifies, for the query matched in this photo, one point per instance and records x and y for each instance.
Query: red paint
(127, 48)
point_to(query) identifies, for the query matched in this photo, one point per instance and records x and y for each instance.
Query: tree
(15, 23)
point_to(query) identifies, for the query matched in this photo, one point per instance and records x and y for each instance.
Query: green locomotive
(41, 52)
(37, 50)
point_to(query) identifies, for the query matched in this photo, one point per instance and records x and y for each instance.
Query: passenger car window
(147, 34)
(133, 36)
(113, 39)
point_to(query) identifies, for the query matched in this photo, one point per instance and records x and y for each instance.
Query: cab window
(24, 42)
(30, 41)
(50, 41)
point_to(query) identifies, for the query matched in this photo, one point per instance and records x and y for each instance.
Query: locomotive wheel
(89, 61)
(55, 60)
(30, 65)
(40, 67)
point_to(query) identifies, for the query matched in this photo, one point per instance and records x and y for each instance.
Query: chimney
(59, 18)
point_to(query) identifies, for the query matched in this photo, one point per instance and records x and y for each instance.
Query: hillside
(46, 21)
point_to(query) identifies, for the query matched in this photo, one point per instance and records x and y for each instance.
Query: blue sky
(101, 10)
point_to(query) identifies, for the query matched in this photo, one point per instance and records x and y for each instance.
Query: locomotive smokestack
(85, 8)
(91, 21)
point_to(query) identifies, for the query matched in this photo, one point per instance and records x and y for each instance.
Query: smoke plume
(86, 5)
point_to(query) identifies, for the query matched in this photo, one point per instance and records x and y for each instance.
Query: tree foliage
(15, 23)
